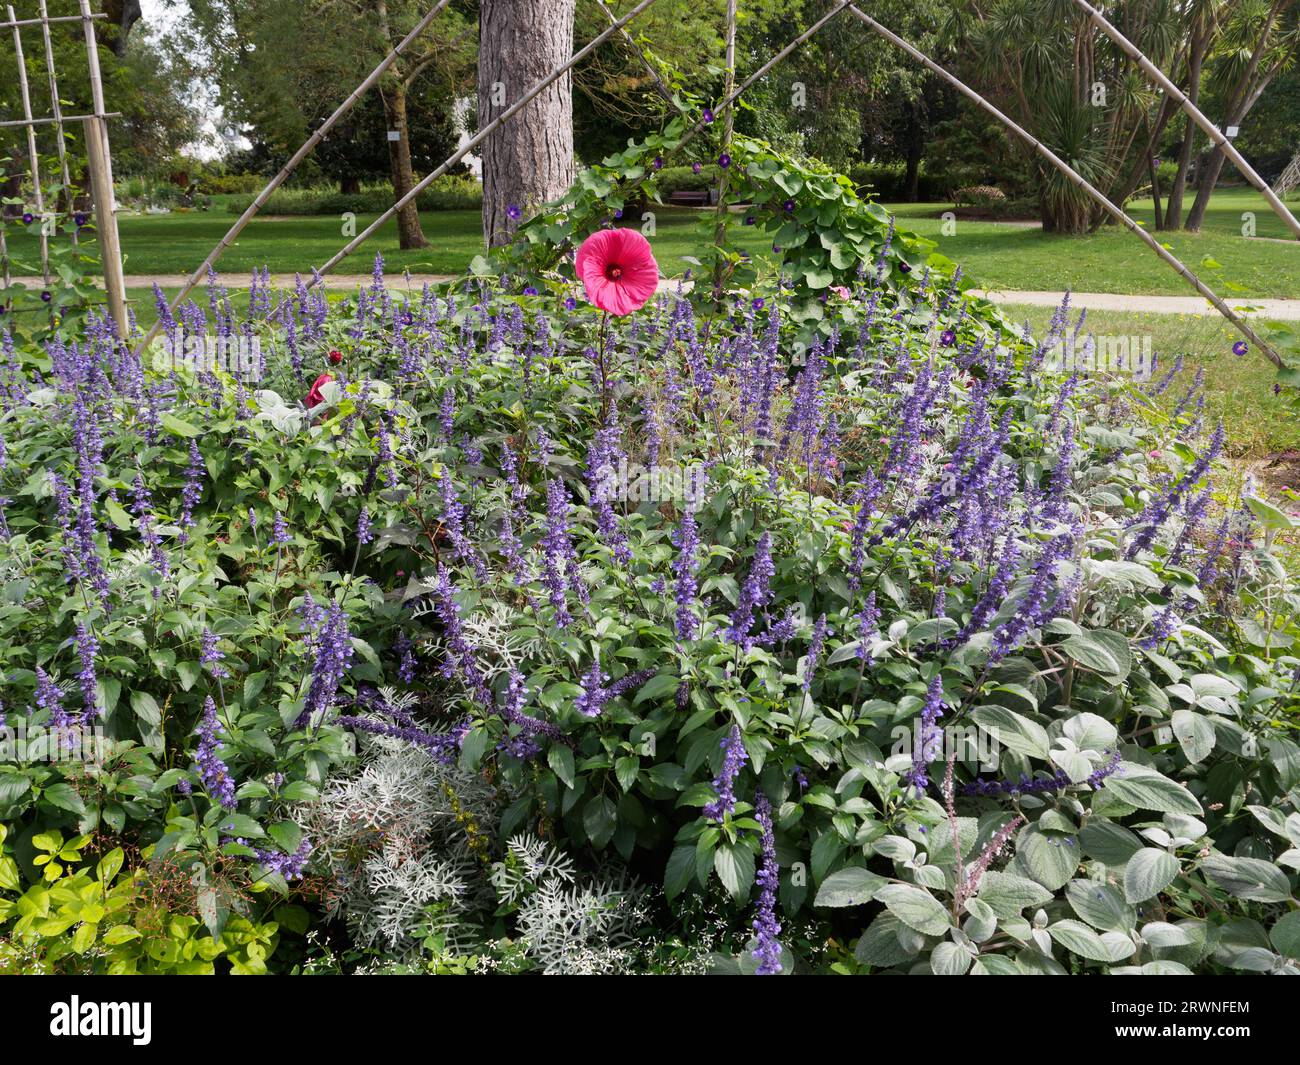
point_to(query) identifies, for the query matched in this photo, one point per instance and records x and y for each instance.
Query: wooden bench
(689, 198)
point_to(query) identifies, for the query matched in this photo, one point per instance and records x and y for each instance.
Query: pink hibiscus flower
(618, 270)
(314, 398)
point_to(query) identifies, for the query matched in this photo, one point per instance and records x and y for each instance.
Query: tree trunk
(1155, 186)
(528, 160)
(409, 233)
(1174, 208)
(915, 149)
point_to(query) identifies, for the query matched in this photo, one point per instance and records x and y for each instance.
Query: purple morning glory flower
(530, 291)
(658, 164)
(724, 160)
(570, 304)
(28, 218)
(47, 296)
(788, 206)
(948, 338)
(759, 303)
(80, 219)
(1240, 348)
(708, 114)
(514, 212)
(906, 267)
(696, 168)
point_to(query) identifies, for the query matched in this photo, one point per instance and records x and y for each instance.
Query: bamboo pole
(37, 192)
(1117, 213)
(101, 177)
(478, 139)
(43, 19)
(57, 108)
(1195, 114)
(761, 71)
(15, 123)
(728, 129)
(664, 91)
(308, 146)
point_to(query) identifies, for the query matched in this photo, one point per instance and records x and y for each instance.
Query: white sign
(394, 135)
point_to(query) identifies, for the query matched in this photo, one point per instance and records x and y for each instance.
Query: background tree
(277, 95)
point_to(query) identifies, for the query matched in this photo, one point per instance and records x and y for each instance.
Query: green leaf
(1007, 894)
(1195, 734)
(1013, 731)
(1047, 858)
(1146, 789)
(65, 797)
(1248, 878)
(560, 759)
(949, 959)
(1148, 873)
(680, 871)
(180, 428)
(734, 864)
(1102, 651)
(881, 946)
(599, 819)
(849, 887)
(1078, 938)
(1285, 934)
(916, 908)
(1101, 905)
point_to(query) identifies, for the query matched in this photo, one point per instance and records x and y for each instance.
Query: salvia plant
(735, 626)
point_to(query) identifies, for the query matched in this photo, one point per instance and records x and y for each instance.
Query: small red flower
(336, 357)
(314, 397)
(618, 270)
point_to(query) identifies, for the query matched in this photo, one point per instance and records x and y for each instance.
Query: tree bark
(409, 233)
(529, 159)
(1174, 205)
(1243, 98)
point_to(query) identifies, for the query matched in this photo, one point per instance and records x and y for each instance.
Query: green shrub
(448, 193)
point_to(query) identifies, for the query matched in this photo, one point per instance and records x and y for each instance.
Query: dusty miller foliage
(394, 842)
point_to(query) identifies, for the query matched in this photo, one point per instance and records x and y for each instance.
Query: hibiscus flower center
(613, 272)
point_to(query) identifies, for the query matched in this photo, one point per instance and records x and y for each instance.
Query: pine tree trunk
(529, 159)
(409, 233)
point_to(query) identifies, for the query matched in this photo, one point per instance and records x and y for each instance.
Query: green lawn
(1238, 389)
(993, 255)
(1000, 256)
(176, 243)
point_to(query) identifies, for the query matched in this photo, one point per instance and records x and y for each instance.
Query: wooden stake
(33, 158)
(1078, 179)
(101, 180)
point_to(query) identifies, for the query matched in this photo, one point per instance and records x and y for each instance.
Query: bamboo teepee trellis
(97, 147)
(618, 26)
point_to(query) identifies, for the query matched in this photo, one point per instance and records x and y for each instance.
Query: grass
(1002, 256)
(994, 255)
(176, 243)
(1237, 389)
